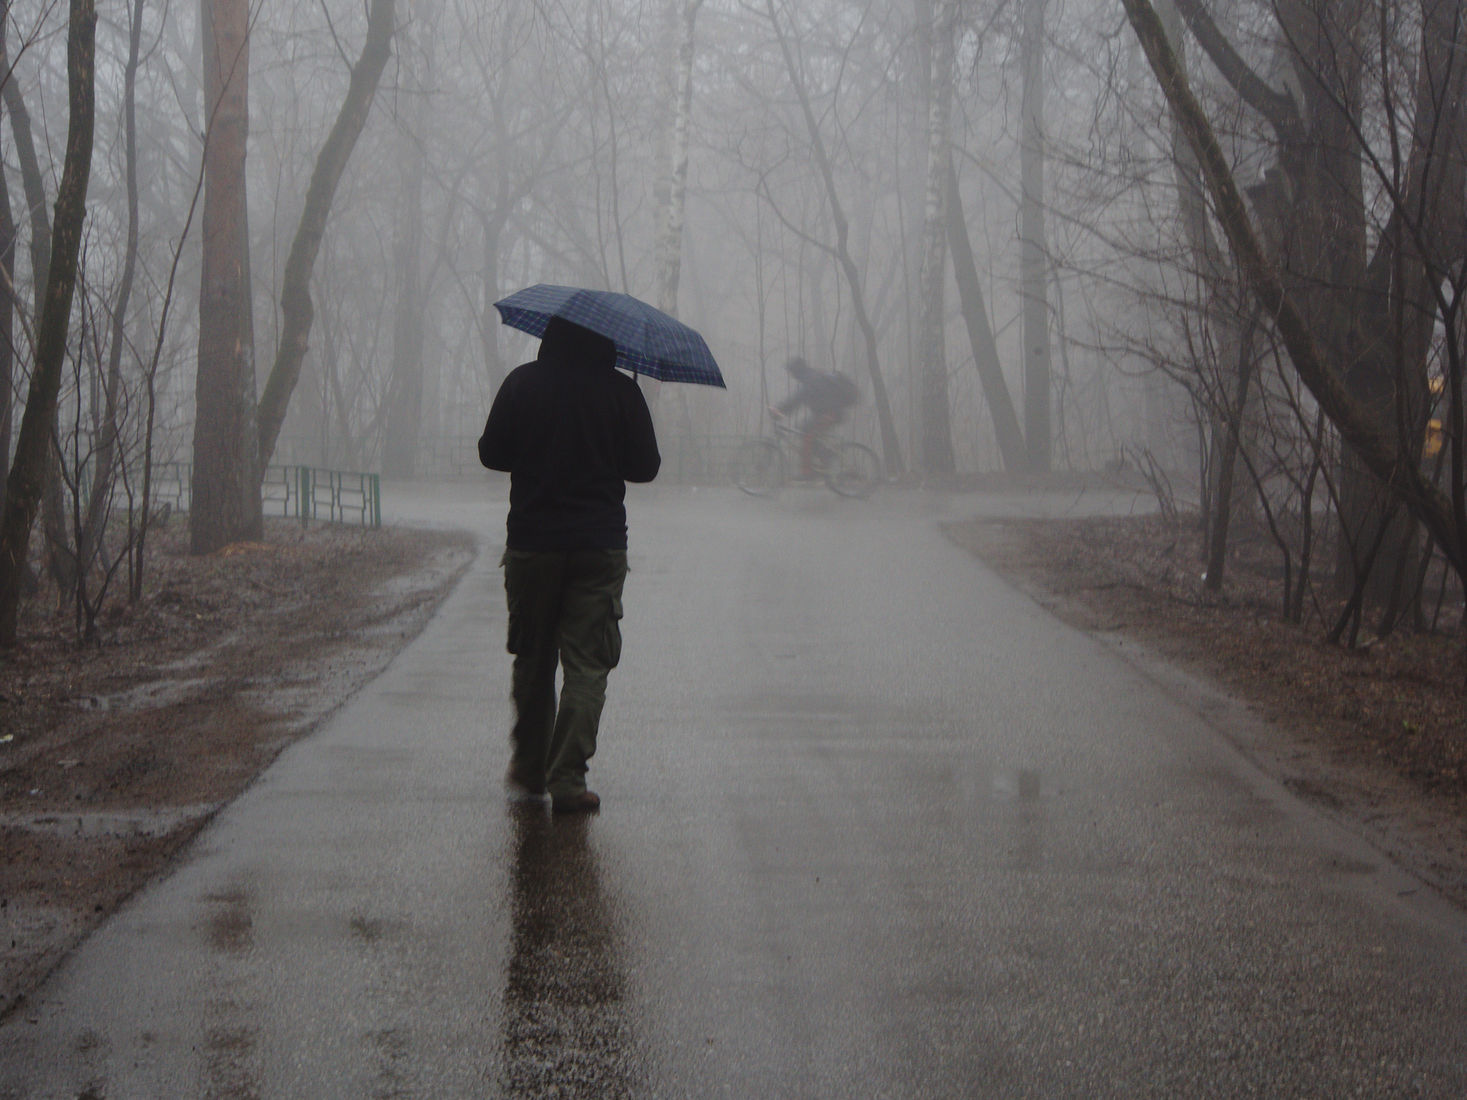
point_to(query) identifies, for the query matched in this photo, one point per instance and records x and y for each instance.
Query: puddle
(1021, 785)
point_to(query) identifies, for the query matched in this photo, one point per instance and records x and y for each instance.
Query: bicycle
(761, 466)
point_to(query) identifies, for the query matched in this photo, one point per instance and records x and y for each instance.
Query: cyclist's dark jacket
(570, 430)
(823, 394)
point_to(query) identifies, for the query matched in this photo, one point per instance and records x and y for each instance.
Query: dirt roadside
(113, 756)
(1375, 737)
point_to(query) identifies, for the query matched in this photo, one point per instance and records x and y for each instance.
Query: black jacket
(571, 431)
(823, 394)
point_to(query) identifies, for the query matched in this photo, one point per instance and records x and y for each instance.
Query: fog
(776, 175)
(521, 142)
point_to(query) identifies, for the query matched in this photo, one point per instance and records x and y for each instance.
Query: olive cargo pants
(564, 609)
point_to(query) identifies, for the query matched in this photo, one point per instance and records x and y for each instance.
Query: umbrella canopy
(647, 340)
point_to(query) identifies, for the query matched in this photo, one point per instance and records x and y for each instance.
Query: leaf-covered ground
(113, 755)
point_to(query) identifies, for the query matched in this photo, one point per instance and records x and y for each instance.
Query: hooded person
(571, 431)
(825, 399)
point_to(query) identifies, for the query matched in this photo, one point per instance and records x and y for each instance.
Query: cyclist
(825, 395)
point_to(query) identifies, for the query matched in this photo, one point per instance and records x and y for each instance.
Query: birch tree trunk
(936, 435)
(225, 504)
(670, 233)
(1035, 262)
(492, 227)
(27, 475)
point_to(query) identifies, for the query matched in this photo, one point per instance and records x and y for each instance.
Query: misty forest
(1219, 246)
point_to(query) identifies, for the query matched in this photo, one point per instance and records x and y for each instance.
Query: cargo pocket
(515, 642)
(611, 642)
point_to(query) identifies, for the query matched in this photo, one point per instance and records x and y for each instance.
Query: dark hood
(569, 343)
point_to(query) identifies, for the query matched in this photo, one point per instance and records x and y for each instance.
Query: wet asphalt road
(875, 825)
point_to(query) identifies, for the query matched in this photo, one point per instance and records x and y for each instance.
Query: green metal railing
(302, 492)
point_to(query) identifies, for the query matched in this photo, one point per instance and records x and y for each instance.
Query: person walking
(571, 431)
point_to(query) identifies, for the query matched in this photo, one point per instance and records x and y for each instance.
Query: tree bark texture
(296, 309)
(226, 481)
(27, 474)
(936, 421)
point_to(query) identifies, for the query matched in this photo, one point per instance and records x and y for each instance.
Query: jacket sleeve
(497, 446)
(640, 458)
(800, 397)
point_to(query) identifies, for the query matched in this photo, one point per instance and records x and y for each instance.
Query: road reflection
(567, 1026)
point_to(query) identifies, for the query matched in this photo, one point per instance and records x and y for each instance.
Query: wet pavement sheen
(875, 825)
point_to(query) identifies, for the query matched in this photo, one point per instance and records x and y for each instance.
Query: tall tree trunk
(104, 475)
(980, 334)
(27, 475)
(936, 435)
(7, 298)
(1035, 261)
(492, 227)
(226, 481)
(404, 412)
(53, 509)
(1377, 444)
(670, 232)
(891, 447)
(1228, 420)
(1222, 414)
(34, 184)
(296, 309)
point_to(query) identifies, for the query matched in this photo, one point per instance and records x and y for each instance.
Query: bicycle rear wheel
(758, 467)
(856, 470)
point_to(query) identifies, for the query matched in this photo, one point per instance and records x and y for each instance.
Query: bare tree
(840, 250)
(1383, 450)
(226, 477)
(980, 333)
(28, 472)
(1031, 229)
(674, 199)
(7, 292)
(936, 439)
(295, 298)
(1372, 297)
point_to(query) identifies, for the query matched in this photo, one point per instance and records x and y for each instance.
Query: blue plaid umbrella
(647, 340)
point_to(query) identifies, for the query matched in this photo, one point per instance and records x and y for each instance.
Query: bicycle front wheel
(758, 467)
(856, 470)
